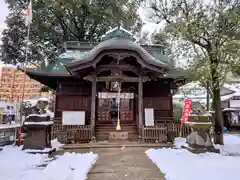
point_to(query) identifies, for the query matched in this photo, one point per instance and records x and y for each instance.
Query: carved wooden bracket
(119, 56)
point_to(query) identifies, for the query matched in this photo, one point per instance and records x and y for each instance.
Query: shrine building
(116, 82)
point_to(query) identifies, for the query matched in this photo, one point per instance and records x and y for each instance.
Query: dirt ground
(123, 164)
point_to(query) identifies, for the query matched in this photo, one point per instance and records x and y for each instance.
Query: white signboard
(73, 117)
(234, 103)
(149, 117)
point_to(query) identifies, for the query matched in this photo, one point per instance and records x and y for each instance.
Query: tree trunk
(218, 118)
(208, 97)
(216, 100)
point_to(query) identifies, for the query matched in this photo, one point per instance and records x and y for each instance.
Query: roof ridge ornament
(118, 32)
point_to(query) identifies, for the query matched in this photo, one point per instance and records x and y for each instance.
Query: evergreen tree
(57, 21)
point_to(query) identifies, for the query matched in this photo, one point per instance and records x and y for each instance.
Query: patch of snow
(57, 145)
(231, 145)
(179, 142)
(46, 150)
(180, 164)
(16, 164)
(39, 123)
(50, 113)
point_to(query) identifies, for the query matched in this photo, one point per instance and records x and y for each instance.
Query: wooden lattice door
(105, 99)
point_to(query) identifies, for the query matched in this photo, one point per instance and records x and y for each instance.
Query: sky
(4, 12)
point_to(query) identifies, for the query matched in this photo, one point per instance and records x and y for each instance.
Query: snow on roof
(8, 126)
(232, 87)
(39, 115)
(229, 109)
(33, 102)
(43, 99)
(198, 93)
(39, 123)
(120, 28)
(73, 54)
(229, 96)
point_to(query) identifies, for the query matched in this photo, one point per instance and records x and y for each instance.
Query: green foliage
(57, 21)
(45, 89)
(209, 31)
(164, 40)
(177, 111)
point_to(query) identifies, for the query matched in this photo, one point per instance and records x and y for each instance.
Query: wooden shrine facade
(92, 91)
(91, 82)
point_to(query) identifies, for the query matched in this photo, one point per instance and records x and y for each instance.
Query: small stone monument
(199, 140)
(38, 128)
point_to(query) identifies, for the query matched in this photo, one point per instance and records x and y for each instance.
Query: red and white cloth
(187, 109)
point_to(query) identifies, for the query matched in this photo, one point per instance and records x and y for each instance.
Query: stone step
(119, 144)
(114, 129)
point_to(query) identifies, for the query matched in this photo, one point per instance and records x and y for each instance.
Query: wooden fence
(82, 134)
(72, 133)
(163, 132)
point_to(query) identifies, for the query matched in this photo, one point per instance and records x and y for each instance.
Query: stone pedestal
(38, 137)
(118, 135)
(199, 140)
(38, 134)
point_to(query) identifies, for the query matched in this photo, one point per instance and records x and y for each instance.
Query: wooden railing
(83, 134)
(163, 132)
(72, 133)
(154, 133)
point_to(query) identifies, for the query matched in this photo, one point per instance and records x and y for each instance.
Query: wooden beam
(93, 103)
(121, 67)
(140, 101)
(116, 78)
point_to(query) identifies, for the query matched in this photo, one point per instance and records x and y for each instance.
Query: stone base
(199, 139)
(38, 151)
(201, 150)
(118, 135)
(37, 138)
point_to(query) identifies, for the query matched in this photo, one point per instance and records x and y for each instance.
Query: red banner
(187, 109)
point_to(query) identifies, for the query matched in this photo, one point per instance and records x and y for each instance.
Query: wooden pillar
(140, 101)
(93, 104)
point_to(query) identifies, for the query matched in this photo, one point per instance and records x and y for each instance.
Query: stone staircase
(103, 130)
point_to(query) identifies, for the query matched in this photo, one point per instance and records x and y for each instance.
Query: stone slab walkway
(124, 164)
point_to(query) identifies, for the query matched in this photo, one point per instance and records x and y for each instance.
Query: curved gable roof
(116, 44)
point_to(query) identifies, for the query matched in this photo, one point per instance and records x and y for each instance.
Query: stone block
(118, 135)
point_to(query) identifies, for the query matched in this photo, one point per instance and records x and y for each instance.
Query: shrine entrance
(107, 107)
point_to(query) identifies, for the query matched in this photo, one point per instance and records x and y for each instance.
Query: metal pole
(25, 63)
(23, 90)
(118, 128)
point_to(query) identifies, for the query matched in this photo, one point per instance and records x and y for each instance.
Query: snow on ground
(231, 145)
(180, 164)
(16, 164)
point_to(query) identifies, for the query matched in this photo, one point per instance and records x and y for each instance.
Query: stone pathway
(124, 164)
